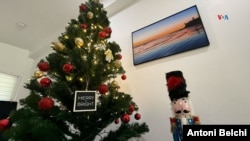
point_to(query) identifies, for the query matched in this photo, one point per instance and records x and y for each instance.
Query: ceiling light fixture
(20, 26)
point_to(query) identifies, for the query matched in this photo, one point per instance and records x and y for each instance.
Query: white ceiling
(33, 24)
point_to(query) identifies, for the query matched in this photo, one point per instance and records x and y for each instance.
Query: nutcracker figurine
(180, 103)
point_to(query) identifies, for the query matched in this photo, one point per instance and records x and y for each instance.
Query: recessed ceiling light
(20, 26)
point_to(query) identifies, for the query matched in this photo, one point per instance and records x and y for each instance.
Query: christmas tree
(83, 66)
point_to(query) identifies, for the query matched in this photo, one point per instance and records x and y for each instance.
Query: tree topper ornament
(180, 103)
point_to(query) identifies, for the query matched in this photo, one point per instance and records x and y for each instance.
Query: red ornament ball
(46, 103)
(4, 123)
(124, 77)
(103, 34)
(82, 7)
(103, 88)
(43, 66)
(125, 118)
(68, 68)
(131, 108)
(83, 26)
(137, 116)
(119, 56)
(45, 82)
(108, 30)
(117, 121)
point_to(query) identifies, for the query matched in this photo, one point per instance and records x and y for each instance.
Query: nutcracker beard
(183, 115)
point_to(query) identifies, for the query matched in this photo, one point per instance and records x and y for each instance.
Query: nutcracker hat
(176, 85)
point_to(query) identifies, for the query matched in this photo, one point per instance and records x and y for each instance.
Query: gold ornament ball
(57, 46)
(117, 63)
(90, 15)
(38, 74)
(79, 42)
(114, 84)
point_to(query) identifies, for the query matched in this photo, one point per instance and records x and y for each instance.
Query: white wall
(217, 75)
(15, 61)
